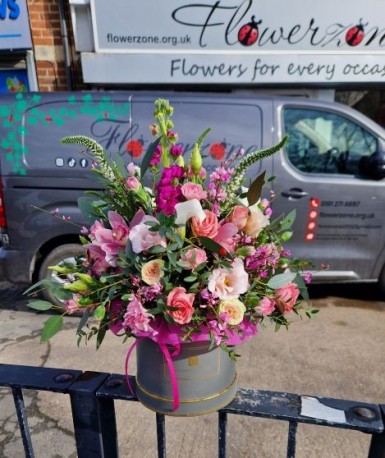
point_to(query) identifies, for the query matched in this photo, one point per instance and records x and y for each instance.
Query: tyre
(381, 283)
(63, 253)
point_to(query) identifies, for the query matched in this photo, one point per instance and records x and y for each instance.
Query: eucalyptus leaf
(288, 221)
(51, 327)
(281, 280)
(87, 208)
(39, 305)
(83, 320)
(255, 190)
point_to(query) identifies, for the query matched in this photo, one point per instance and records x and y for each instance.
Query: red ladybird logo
(248, 33)
(355, 34)
(218, 150)
(135, 148)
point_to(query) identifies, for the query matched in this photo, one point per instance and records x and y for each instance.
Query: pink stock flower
(137, 319)
(194, 257)
(209, 227)
(266, 306)
(183, 302)
(72, 305)
(142, 238)
(193, 191)
(226, 283)
(286, 297)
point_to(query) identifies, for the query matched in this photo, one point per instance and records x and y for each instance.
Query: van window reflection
(324, 142)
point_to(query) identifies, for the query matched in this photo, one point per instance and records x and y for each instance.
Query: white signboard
(239, 41)
(14, 25)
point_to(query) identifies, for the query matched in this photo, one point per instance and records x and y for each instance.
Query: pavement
(339, 354)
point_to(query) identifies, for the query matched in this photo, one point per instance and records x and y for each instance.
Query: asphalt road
(339, 354)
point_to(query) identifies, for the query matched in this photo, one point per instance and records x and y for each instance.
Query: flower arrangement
(190, 257)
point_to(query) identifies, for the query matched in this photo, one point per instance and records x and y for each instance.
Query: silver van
(330, 171)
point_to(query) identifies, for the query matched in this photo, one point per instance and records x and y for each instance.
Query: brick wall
(48, 44)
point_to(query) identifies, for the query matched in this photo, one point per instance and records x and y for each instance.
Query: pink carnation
(137, 319)
(193, 191)
(266, 306)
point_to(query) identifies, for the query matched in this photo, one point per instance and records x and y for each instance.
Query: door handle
(294, 193)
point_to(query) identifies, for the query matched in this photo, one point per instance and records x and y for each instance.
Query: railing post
(377, 444)
(93, 418)
(23, 422)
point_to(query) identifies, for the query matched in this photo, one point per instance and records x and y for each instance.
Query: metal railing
(92, 396)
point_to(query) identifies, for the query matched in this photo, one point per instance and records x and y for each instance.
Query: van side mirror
(373, 166)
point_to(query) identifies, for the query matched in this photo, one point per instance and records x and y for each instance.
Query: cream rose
(234, 309)
(152, 271)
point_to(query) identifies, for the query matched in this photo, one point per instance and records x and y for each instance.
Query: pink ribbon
(168, 357)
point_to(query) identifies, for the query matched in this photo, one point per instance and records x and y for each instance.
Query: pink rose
(132, 183)
(194, 257)
(229, 283)
(183, 303)
(209, 227)
(266, 306)
(193, 191)
(142, 238)
(239, 216)
(286, 297)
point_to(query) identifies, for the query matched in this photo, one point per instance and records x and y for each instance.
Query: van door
(340, 214)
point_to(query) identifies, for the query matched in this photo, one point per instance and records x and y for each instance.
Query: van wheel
(62, 254)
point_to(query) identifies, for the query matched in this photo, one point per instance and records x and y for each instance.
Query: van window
(325, 142)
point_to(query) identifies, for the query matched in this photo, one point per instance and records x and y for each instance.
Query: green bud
(76, 286)
(196, 160)
(62, 269)
(179, 161)
(286, 236)
(86, 279)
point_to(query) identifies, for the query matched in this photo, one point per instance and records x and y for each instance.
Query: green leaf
(281, 280)
(288, 221)
(302, 287)
(101, 334)
(190, 278)
(255, 190)
(210, 244)
(87, 208)
(148, 156)
(83, 320)
(202, 137)
(39, 305)
(51, 327)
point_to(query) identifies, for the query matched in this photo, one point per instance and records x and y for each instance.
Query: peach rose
(256, 221)
(234, 310)
(183, 303)
(286, 297)
(209, 227)
(239, 216)
(152, 271)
